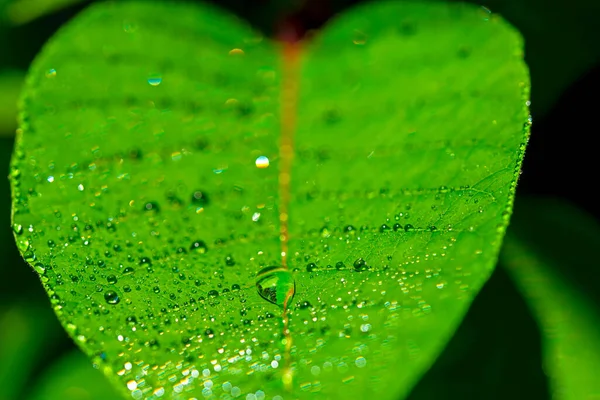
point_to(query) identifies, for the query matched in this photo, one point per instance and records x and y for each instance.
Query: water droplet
(360, 362)
(229, 261)
(407, 28)
(151, 206)
(485, 13)
(384, 228)
(262, 162)
(51, 73)
(155, 79)
(340, 265)
(304, 305)
(111, 279)
(331, 117)
(236, 52)
(40, 269)
(130, 26)
(199, 246)
(464, 52)
(311, 267)
(360, 38)
(397, 227)
(200, 198)
(409, 228)
(18, 229)
(111, 297)
(276, 285)
(360, 265)
(145, 260)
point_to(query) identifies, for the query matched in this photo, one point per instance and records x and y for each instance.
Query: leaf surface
(550, 251)
(168, 153)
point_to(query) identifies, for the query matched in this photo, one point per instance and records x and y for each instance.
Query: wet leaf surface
(168, 156)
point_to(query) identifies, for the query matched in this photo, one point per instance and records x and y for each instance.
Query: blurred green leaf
(548, 242)
(18, 12)
(150, 189)
(72, 378)
(10, 86)
(22, 345)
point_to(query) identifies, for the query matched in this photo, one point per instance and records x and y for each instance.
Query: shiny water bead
(111, 297)
(154, 79)
(276, 285)
(262, 162)
(199, 246)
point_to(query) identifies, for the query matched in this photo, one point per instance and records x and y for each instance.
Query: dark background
(496, 353)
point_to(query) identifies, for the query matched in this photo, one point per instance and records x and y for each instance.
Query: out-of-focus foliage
(25, 331)
(72, 377)
(17, 12)
(549, 245)
(10, 86)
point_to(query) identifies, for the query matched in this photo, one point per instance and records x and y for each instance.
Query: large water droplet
(276, 285)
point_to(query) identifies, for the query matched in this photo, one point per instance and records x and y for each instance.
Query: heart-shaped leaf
(214, 214)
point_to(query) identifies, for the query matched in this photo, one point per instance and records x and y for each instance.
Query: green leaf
(21, 345)
(10, 86)
(551, 251)
(157, 175)
(560, 37)
(72, 377)
(18, 12)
